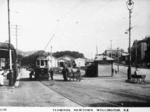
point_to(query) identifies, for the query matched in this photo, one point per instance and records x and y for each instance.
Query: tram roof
(5, 46)
(42, 58)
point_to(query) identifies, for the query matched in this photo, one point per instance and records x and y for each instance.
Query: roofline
(4, 45)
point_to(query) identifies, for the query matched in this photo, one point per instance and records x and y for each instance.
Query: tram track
(78, 91)
(125, 93)
(81, 93)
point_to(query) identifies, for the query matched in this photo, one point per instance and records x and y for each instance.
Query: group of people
(3, 74)
(11, 75)
(51, 72)
(69, 72)
(65, 73)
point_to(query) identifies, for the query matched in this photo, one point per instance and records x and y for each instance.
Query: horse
(74, 74)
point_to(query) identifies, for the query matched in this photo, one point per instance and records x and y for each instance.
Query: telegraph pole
(9, 36)
(11, 74)
(111, 47)
(17, 40)
(96, 50)
(118, 59)
(17, 28)
(16, 37)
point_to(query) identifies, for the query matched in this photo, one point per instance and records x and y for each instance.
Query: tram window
(42, 62)
(46, 62)
(38, 62)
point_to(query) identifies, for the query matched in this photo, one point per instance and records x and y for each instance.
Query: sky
(75, 25)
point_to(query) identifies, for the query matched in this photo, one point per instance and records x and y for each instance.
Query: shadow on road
(97, 76)
(139, 83)
(28, 79)
(121, 104)
(59, 80)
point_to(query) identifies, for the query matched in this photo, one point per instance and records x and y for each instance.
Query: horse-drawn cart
(71, 74)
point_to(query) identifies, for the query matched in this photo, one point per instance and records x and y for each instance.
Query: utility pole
(17, 41)
(111, 47)
(96, 50)
(9, 36)
(16, 32)
(11, 74)
(118, 59)
(16, 37)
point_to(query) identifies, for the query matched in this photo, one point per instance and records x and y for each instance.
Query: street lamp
(130, 5)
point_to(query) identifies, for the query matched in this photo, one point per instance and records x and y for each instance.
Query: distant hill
(25, 53)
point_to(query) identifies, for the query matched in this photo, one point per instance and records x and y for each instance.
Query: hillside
(25, 53)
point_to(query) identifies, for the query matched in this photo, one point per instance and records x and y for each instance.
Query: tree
(29, 60)
(74, 54)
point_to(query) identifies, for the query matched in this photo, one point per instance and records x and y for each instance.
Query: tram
(41, 68)
(5, 63)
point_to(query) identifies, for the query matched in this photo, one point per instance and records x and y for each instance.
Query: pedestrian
(31, 74)
(51, 73)
(135, 72)
(71, 73)
(1, 77)
(65, 72)
(115, 71)
(11, 77)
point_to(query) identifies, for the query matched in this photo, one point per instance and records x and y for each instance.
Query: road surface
(102, 92)
(89, 92)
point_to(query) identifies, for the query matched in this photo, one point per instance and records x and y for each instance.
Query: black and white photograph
(75, 55)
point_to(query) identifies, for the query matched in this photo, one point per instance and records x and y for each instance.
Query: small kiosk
(101, 66)
(104, 66)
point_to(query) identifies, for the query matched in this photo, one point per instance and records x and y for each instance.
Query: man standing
(51, 73)
(65, 73)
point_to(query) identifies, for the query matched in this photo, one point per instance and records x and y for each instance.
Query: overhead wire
(99, 8)
(73, 8)
(76, 5)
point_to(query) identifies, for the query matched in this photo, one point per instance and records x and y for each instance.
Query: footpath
(31, 94)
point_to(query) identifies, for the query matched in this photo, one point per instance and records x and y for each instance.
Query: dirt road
(102, 92)
(89, 92)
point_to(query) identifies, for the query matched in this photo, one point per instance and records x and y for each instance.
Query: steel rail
(107, 102)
